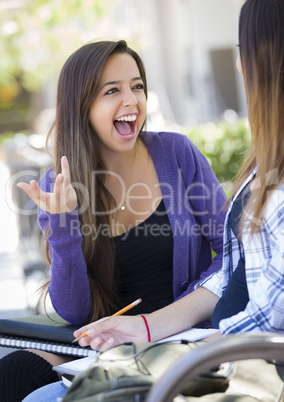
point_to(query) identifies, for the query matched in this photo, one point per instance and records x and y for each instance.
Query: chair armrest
(268, 346)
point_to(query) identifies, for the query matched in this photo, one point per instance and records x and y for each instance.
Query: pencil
(122, 311)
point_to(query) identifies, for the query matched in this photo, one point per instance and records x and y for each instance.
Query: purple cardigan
(193, 199)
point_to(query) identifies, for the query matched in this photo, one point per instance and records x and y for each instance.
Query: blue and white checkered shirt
(264, 261)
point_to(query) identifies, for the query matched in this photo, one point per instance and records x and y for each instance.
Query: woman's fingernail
(64, 159)
(90, 332)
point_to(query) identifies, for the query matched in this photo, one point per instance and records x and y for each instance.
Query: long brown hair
(261, 43)
(74, 136)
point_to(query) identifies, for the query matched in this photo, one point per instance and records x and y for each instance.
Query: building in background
(189, 49)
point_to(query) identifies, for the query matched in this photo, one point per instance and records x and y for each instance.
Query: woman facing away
(126, 213)
(247, 293)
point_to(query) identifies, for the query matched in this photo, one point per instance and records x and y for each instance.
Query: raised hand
(111, 331)
(62, 199)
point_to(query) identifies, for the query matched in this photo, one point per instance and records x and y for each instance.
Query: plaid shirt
(264, 260)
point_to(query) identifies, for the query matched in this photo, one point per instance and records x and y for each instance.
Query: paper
(76, 366)
(191, 334)
(67, 380)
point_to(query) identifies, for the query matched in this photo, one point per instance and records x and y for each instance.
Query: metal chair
(267, 346)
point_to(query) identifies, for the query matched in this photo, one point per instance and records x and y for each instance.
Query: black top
(144, 257)
(235, 297)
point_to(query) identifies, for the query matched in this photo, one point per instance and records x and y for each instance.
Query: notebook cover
(39, 327)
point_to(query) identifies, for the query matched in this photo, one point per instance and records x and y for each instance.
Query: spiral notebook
(43, 333)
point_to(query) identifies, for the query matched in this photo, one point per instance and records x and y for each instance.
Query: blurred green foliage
(224, 144)
(38, 35)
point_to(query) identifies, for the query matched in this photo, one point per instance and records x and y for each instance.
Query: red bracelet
(147, 327)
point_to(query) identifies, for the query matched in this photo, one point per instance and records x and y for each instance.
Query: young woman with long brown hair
(126, 213)
(247, 294)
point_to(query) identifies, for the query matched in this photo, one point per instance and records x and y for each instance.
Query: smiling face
(119, 110)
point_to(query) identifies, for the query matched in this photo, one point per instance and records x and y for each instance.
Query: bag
(126, 373)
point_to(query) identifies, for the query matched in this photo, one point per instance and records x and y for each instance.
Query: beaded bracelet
(147, 327)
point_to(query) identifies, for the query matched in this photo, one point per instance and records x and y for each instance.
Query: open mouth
(126, 126)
